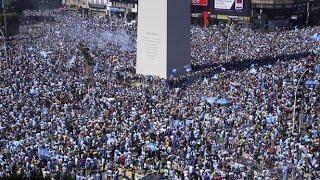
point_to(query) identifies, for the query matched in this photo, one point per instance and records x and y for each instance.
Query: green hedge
(13, 22)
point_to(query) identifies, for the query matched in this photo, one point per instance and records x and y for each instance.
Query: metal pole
(308, 13)
(299, 128)
(251, 20)
(227, 52)
(260, 15)
(229, 30)
(295, 100)
(5, 44)
(227, 40)
(4, 16)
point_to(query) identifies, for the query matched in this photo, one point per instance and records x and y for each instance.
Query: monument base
(163, 40)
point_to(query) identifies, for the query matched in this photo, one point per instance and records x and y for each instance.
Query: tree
(13, 22)
(14, 10)
(18, 6)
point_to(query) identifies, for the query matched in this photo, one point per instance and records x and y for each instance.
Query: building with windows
(98, 7)
(214, 11)
(72, 5)
(237, 11)
(124, 8)
(257, 13)
(284, 13)
(200, 12)
(253, 13)
(87, 7)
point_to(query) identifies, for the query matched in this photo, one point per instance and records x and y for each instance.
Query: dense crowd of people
(221, 44)
(236, 123)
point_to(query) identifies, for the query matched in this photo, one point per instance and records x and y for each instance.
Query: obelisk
(163, 40)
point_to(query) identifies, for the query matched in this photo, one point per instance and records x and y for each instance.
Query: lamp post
(227, 40)
(5, 44)
(227, 50)
(261, 14)
(4, 16)
(308, 13)
(295, 101)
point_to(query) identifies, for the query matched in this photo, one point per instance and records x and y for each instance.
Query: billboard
(200, 2)
(228, 4)
(125, 1)
(239, 5)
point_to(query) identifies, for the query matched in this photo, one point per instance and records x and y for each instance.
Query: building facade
(257, 13)
(72, 5)
(98, 7)
(283, 13)
(253, 13)
(200, 12)
(214, 11)
(122, 8)
(238, 11)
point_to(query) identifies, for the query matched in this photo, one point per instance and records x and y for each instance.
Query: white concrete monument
(163, 42)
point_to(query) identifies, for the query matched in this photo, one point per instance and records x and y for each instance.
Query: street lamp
(295, 101)
(227, 40)
(5, 45)
(4, 16)
(308, 13)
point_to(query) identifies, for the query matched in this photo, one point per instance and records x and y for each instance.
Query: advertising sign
(206, 15)
(125, 1)
(234, 9)
(239, 4)
(200, 2)
(223, 4)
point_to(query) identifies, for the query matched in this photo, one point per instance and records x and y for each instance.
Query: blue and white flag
(311, 83)
(316, 37)
(96, 67)
(152, 146)
(317, 68)
(261, 80)
(43, 153)
(271, 119)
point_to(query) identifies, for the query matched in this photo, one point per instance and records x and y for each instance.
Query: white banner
(223, 4)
